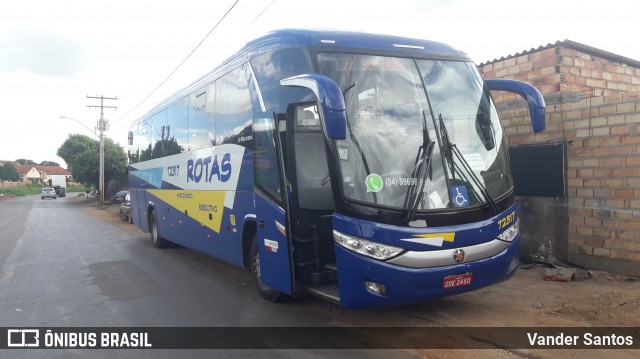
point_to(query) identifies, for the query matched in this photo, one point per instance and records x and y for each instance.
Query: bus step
(322, 277)
(328, 292)
(331, 266)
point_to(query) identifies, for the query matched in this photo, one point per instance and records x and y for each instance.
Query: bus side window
(267, 175)
(202, 127)
(282, 133)
(271, 67)
(145, 140)
(158, 129)
(175, 137)
(233, 109)
(133, 150)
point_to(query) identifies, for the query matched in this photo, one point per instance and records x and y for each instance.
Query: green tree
(86, 168)
(49, 163)
(75, 145)
(115, 161)
(82, 154)
(9, 173)
(25, 162)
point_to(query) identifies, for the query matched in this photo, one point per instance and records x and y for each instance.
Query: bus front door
(273, 246)
(272, 237)
(310, 196)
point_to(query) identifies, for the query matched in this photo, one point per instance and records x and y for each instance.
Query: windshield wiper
(450, 150)
(421, 167)
(344, 93)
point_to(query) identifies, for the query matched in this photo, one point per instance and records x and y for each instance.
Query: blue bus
(369, 170)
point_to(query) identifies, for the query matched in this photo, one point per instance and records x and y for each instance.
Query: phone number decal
(404, 181)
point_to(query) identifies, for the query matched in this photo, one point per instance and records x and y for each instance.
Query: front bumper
(406, 285)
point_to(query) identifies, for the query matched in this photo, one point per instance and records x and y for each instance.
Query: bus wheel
(156, 238)
(265, 291)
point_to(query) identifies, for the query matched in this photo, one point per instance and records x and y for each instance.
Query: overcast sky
(55, 53)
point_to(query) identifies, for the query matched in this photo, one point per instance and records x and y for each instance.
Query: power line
(260, 14)
(181, 63)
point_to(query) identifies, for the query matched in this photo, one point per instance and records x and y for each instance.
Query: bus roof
(353, 40)
(320, 39)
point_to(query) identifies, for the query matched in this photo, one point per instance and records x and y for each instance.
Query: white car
(48, 192)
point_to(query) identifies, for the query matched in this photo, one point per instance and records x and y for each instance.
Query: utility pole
(103, 125)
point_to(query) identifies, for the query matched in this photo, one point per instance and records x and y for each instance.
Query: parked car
(48, 192)
(119, 197)
(125, 209)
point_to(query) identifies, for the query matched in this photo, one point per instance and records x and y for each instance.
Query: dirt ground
(604, 300)
(526, 300)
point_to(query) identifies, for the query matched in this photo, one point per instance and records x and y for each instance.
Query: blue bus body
(275, 161)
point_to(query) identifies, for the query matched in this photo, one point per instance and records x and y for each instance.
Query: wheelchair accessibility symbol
(460, 196)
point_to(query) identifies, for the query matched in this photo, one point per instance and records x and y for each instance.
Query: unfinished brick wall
(603, 175)
(567, 68)
(594, 105)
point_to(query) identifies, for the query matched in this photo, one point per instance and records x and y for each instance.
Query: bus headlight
(510, 233)
(367, 248)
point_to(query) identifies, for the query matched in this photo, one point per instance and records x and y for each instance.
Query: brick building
(593, 114)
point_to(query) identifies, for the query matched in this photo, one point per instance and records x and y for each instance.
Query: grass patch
(82, 189)
(112, 209)
(21, 190)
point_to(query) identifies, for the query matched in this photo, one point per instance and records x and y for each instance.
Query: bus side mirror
(529, 93)
(130, 138)
(330, 101)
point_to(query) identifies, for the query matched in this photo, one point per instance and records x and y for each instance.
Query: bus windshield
(397, 108)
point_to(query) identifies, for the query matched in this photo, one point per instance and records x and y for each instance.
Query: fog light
(376, 288)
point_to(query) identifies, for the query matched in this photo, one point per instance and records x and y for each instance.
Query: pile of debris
(562, 272)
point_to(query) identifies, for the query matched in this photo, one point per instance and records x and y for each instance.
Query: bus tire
(156, 238)
(265, 291)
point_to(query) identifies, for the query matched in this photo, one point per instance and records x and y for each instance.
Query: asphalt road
(63, 264)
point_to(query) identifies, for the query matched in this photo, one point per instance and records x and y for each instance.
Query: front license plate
(456, 281)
